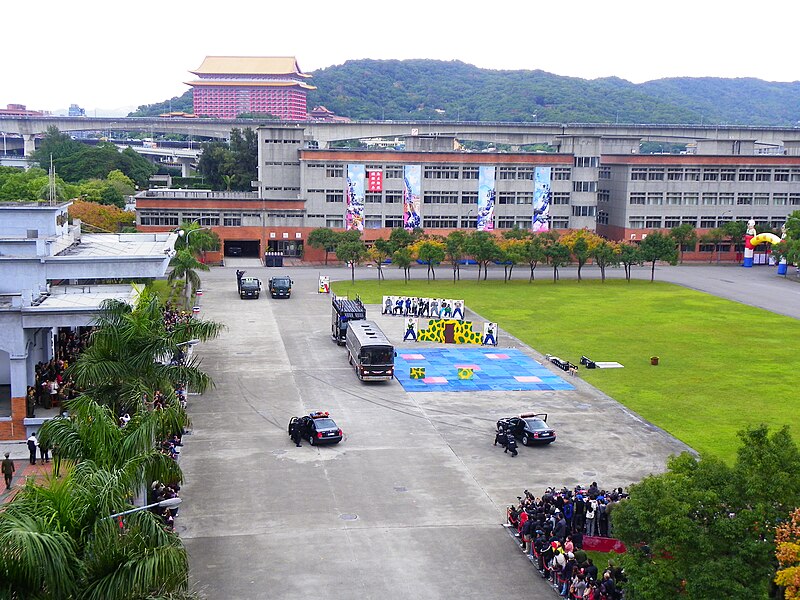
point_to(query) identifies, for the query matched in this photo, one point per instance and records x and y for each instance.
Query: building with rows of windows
(599, 183)
(227, 86)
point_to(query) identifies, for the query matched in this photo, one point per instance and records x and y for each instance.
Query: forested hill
(440, 90)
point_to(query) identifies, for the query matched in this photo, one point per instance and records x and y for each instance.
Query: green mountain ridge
(453, 90)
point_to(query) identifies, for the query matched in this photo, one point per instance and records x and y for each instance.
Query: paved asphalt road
(410, 504)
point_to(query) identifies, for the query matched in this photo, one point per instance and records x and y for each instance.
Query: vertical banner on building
(542, 195)
(354, 217)
(486, 195)
(412, 174)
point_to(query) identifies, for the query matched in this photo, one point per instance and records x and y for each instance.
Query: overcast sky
(112, 55)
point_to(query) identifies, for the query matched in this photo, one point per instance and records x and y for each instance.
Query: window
(781, 175)
(763, 175)
(655, 198)
(725, 199)
(637, 198)
(559, 198)
(334, 222)
(602, 218)
(507, 173)
(794, 175)
(584, 186)
(638, 174)
(394, 222)
(561, 174)
(469, 172)
(780, 199)
(744, 198)
(708, 222)
(655, 175)
(469, 197)
(709, 198)
(604, 173)
(761, 199)
(393, 172)
(334, 171)
(691, 198)
(583, 211)
(710, 174)
(727, 174)
(232, 220)
(372, 197)
(671, 222)
(524, 197)
(440, 198)
(747, 175)
(159, 218)
(525, 173)
(636, 222)
(674, 198)
(794, 199)
(652, 223)
(440, 172)
(334, 196)
(604, 196)
(674, 174)
(690, 220)
(469, 222)
(692, 174)
(393, 197)
(505, 222)
(587, 161)
(559, 222)
(506, 198)
(373, 223)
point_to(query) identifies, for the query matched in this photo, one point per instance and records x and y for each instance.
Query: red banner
(603, 544)
(374, 181)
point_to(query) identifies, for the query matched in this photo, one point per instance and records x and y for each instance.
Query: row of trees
(515, 247)
(231, 166)
(54, 539)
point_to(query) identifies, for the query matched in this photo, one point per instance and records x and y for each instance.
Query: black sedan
(529, 428)
(318, 428)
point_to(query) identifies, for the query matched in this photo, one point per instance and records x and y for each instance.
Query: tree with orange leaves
(787, 541)
(103, 216)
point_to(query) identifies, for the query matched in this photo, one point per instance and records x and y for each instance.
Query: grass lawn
(722, 364)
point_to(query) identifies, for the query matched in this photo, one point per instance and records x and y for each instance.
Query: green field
(723, 365)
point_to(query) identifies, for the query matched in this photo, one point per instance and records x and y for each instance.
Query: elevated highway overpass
(515, 134)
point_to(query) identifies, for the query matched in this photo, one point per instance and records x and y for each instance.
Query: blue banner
(541, 199)
(486, 193)
(354, 217)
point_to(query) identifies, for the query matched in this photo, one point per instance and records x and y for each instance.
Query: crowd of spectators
(174, 317)
(551, 529)
(160, 492)
(439, 308)
(51, 386)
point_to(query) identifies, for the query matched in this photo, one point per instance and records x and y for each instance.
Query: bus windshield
(377, 356)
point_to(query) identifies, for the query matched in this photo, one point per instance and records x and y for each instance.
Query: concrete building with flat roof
(596, 182)
(54, 276)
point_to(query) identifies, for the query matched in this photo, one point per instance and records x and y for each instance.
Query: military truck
(250, 287)
(344, 310)
(280, 286)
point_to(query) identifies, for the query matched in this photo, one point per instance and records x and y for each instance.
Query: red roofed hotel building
(228, 86)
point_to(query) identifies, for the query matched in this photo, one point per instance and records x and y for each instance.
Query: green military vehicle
(280, 286)
(249, 287)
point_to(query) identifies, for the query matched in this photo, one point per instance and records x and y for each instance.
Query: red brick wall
(14, 429)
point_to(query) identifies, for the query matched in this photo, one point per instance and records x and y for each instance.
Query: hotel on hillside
(227, 86)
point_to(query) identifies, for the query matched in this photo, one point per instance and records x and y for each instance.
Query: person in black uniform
(511, 445)
(294, 431)
(500, 437)
(239, 275)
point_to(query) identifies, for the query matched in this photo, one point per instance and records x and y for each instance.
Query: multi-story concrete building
(598, 183)
(53, 276)
(228, 86)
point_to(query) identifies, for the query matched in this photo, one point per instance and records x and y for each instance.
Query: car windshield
(250, 285)
(324, 424)
(376, 356)
(536, 424)
(280, 282)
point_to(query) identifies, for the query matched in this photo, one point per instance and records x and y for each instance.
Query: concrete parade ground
(410, 504)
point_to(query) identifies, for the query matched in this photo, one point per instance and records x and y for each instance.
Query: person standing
(33, 445)
(295, 432)
(44, 452)
(8, 469)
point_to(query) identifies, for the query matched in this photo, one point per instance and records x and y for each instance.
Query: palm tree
(130, 354)
(185, 266)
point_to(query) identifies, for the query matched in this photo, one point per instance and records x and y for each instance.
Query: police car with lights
(318, 428)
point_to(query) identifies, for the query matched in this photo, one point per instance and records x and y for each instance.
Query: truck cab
(250, 287)
(280, 286)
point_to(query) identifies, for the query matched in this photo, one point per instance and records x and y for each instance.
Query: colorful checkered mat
(493, 369)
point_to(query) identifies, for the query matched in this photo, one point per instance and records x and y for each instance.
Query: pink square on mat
(527, 379)
(435, 380)
(497, 356)
(412, 357)
(473, 367)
